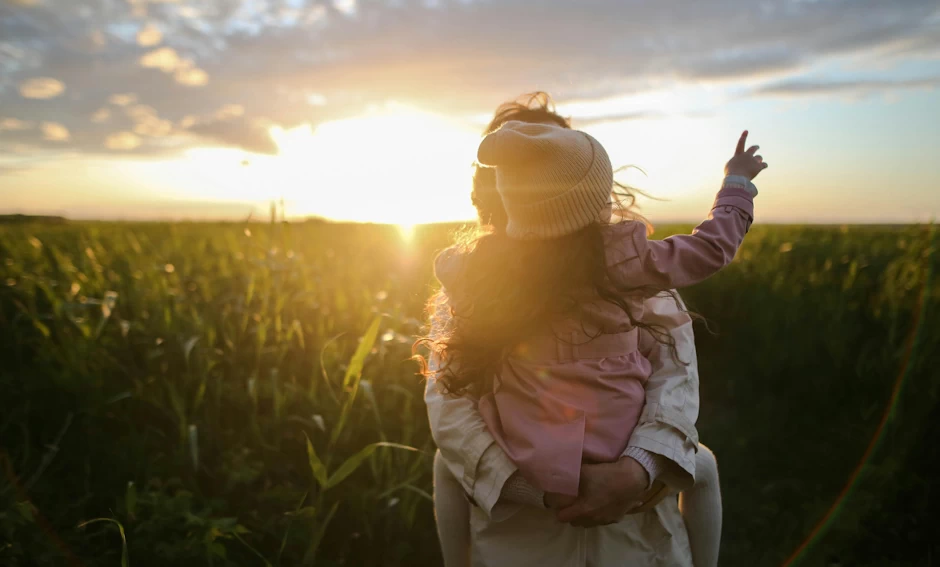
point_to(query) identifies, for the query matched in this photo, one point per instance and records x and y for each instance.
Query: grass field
(230, 394)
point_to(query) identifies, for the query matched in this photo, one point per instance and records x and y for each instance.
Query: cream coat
(515, 535)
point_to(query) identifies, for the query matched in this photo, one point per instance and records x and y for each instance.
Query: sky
(371, 110)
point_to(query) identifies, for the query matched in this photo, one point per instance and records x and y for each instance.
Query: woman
(508, 524)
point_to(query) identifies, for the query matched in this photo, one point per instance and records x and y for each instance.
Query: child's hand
(556, 501)
(745, 163)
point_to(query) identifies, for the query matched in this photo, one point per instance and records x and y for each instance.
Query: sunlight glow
(394, 164)
(407, 232)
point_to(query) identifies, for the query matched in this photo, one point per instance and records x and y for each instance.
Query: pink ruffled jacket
(563, 398)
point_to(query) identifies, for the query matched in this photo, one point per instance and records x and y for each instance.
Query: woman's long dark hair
(505, 289)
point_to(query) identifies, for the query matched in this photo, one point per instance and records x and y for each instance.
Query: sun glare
(394, 165)
(407, 231)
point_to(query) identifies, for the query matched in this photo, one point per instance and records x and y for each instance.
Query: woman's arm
(667, 424)
(469, 451)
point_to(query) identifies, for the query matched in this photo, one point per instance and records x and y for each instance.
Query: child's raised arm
(683, 260)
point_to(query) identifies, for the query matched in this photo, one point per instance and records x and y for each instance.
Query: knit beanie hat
(553, 181)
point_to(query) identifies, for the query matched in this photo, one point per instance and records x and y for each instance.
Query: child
(547, 317)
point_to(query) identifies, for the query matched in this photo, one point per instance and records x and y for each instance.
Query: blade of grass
(352, 463)
(253, 550)
(323, 372)
(125, 560)
(319, 532)
(354, 372)
(316, 465)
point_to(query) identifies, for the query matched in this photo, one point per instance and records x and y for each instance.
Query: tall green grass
(221, 394)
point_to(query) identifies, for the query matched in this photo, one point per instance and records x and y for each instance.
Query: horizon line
(25, 218)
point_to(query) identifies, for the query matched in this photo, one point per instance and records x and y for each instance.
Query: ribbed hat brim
(567, 212)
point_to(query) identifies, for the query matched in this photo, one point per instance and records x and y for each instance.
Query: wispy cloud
(861, 87)
(248, 134)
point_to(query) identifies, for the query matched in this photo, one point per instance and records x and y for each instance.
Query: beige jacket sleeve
(470, 452)
(666, 425)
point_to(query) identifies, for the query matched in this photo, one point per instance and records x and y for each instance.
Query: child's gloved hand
(745, 163)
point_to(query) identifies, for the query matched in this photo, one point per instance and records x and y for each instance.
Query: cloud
(811, 87)
(122, 99)
(250, 135)
(149, 36)
(101, 115)
(123, 141)
(316, 99)
(147, 121)
(628, 116)
(41, 88)
(13, 125)
(740, 63)
(191, 76)
(288, 62)
(97, 39)
(184, 71)
(230, 111)
(54, 132)
(140, 111)
(347, 7)
(154, 127)
(164, 59)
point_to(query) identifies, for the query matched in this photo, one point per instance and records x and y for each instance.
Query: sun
(394, 164)
(407, 231)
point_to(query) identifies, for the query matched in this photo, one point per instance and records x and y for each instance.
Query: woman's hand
(607, 492)
(745, 163)
(557, 501)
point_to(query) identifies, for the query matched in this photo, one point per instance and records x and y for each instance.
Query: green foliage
(242, 396)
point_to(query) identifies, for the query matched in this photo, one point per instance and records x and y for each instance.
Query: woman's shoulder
(666, 308)
(448, 264)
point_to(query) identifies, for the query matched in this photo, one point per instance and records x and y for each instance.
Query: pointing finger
(741, 141)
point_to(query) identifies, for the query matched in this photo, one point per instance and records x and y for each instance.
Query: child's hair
(507, 289)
